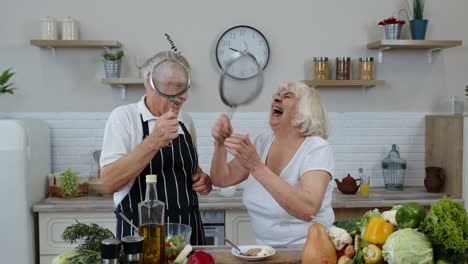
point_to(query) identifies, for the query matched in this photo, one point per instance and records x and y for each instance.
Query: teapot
(348, 185)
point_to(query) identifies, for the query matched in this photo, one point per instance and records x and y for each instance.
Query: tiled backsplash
(358, 139)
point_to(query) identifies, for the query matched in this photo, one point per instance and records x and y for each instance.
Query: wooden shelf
(343, 83)
(42, 43)
(430, 45)
(123, 83)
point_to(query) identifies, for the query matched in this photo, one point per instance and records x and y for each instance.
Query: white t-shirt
(270, 222)
(124, 131)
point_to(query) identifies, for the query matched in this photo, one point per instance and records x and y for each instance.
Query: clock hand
(246, 46)
(234, 50)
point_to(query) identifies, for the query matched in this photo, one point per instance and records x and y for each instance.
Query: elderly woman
(290, 167)
(143, 138)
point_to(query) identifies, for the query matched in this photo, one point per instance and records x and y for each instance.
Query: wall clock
(242, 38)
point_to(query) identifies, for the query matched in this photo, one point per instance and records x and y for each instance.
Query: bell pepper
(201, 257)
(410, 215)
(373, 255)
(377, 231)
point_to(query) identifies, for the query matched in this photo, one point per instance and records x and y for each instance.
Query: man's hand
(201, 183)
(165, 130)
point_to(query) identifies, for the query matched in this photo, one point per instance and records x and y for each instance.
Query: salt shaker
(69, 29)
(49, 28)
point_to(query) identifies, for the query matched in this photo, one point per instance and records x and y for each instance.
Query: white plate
(247, 247)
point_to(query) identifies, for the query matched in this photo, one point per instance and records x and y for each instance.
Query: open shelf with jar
(52, 44)
(430, 46)
(123, 83)
(364, 84)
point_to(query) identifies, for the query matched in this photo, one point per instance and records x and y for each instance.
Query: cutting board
(278, 258)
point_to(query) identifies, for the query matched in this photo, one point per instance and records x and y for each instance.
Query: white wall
(358, 139)
(297, 31)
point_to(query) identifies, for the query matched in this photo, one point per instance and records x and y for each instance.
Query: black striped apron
(174, 165)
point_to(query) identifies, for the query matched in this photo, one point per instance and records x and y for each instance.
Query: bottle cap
(151, 178)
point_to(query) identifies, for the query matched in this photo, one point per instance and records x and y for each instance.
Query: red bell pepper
(201, 257)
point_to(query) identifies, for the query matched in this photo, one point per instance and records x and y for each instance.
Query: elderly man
(147, 138)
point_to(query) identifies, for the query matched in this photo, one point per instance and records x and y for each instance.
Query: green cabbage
(407, 246)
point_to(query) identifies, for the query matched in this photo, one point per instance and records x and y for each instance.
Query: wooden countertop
(378, 197)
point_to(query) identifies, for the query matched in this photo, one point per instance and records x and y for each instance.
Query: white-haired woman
(136, 143)
(290, 167)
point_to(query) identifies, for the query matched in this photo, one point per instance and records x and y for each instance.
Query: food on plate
(318, 246)
(253, 252)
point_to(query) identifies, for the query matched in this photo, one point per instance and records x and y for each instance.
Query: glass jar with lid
(343, 68)
(366, 68)
(321, 71)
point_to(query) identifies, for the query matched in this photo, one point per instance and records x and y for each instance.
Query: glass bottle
(321, 71)
(394, 169)
(151, 215)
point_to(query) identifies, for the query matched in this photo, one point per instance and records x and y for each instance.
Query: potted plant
(392, 27)
(418, 24)
(112, 62)
(4, 78)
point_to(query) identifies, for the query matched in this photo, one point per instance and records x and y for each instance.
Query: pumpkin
(318, 247)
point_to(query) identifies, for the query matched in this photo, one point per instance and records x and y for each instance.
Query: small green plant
(68, 181)
(418, 9)
(4, 78)
(113, 55)
(417, 12)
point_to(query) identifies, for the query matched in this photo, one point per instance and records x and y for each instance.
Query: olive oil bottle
(151, 216)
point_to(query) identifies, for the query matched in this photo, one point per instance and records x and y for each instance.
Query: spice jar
(343, 68)
(366, 68)
(49, 28)
(321, 68)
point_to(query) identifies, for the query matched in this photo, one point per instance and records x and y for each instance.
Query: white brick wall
(358, 139)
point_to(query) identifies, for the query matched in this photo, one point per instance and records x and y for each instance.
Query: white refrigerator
(24, 166)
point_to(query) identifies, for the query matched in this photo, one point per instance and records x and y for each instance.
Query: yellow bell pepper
(373, 255)
(377, 231)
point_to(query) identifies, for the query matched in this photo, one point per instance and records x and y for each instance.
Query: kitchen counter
(378, 197)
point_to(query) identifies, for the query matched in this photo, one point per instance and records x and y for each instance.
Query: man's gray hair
(161, 56)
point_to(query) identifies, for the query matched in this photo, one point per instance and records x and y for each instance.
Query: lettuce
(446, 226)
(407, 246)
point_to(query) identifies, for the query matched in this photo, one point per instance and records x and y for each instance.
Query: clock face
(242, 38)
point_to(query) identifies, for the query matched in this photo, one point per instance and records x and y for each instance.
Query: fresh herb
(6, 75)
(113, 55)
(446, 226)
(90, 237)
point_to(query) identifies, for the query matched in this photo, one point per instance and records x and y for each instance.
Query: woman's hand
(244, 151)
(165, 130)
(201, 183)
(221, 129)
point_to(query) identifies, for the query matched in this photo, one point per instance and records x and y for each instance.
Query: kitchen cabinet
(447, 147)
(238, 227)
(52, 225)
